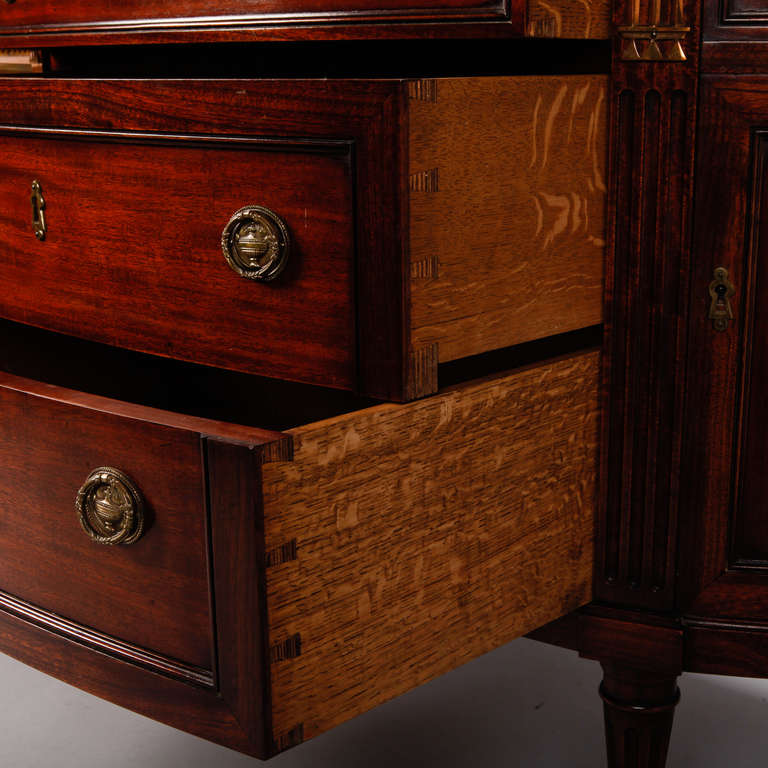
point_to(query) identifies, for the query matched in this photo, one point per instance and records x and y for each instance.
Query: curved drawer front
(24, 16)
(131, 253)
(152, 593)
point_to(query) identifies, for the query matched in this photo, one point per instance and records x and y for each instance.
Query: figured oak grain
(569, 18)
(427, 534)
(507, 242)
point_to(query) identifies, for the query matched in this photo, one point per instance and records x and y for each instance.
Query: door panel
(725, 548)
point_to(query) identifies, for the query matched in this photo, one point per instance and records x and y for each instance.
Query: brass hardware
(38, 211)
(658, 35)
(720, 290)
(652, 43)
(21, 61)
(110, 507)
(255, 243)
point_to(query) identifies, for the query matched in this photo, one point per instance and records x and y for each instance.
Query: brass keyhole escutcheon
(110, 507)
(38, 211)
(255, 243)
(721, 290)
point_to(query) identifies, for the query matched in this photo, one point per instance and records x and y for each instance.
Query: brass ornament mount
(110, 507)
(654, 43)
(721, 290)
(654, 32)
(256, 244)
(38, 211)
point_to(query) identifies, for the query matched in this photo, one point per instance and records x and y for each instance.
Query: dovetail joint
(424, 181)
(426, 269)
(292, 738)
(423, 90)
(289, 648)
(282, 554)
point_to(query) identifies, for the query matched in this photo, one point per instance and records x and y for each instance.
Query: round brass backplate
(110, 507)
(255, 243)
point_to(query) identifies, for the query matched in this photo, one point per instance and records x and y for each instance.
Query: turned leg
(639, 706)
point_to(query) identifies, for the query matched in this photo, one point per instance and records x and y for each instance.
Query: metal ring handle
(255, 243)
(110, 507)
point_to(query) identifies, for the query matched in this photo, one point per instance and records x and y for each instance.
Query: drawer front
(134, 621)
(99, 16)
(141, 177)
(152, 593)
(132, 249)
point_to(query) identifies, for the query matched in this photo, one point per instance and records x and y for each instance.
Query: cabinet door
(724, 556)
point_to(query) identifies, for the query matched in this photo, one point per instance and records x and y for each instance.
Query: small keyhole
(721, 291)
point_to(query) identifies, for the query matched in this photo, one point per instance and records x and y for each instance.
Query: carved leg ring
(639, 707)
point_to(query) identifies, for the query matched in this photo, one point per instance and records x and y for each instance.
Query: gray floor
(526, 705)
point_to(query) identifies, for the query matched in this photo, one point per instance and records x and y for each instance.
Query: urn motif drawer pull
(110, 507)
(255, 243)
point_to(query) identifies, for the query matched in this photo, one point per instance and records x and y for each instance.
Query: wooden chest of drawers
(294, 552)
(206, 515)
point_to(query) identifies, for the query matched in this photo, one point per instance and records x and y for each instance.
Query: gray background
(525, 704)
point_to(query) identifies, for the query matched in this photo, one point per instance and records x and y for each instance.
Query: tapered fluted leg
(639, 707)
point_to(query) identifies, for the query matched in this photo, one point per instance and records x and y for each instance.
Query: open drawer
(352, 234)
(263, 586)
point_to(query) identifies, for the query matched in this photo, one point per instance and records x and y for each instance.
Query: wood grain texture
(46, 15)
(428, 534)
(632, 640)
(365, 112)
(569, 19)
(274, 445)
(726, 648)
(237, 564)
(639, 707)
(154, 593)
(653, 123)
(133, 256)
(737, 21)
(173, 625)
(723, 504)
(513, 235)
(91, 22)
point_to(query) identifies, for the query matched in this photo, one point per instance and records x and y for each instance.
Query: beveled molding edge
(493, 11)
(98, 641)
(729, 17)
(654, 33)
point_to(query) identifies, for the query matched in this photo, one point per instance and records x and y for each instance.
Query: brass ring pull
(110, 507)
(255, 243)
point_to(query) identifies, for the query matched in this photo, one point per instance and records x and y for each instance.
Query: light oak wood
(569, 18)
(507, 224)
(427, 534)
